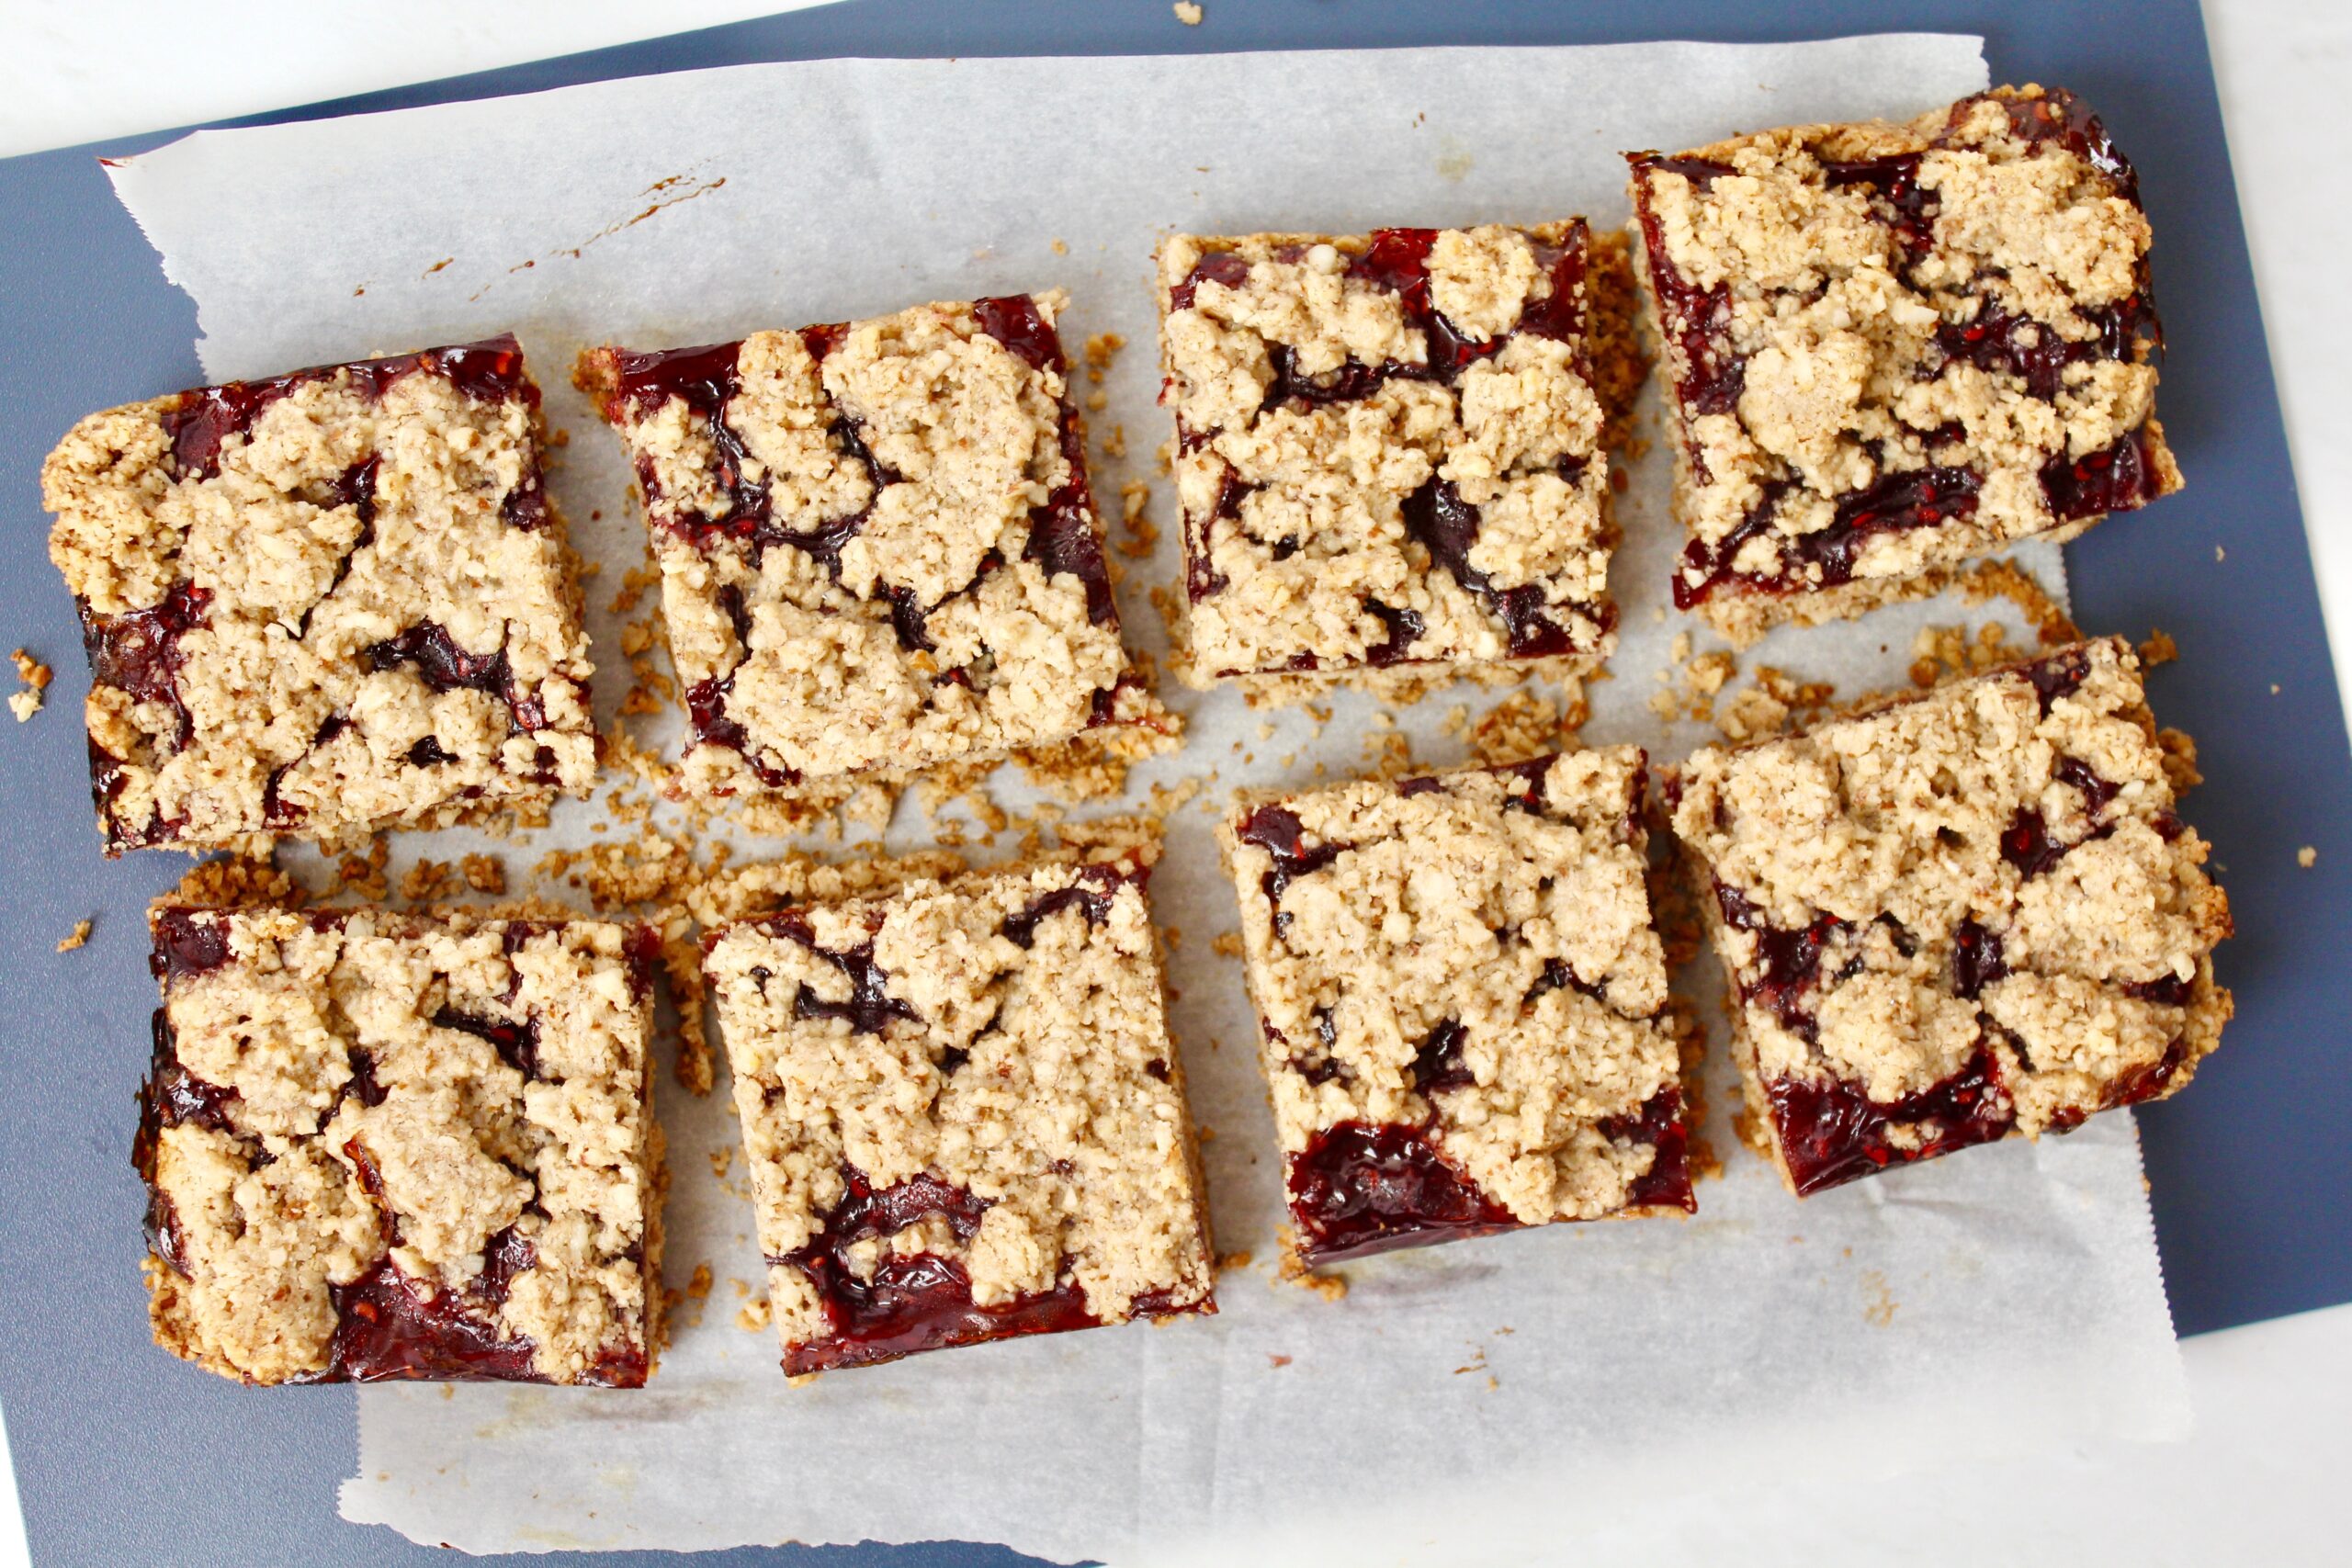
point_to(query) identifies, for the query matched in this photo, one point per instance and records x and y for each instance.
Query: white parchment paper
(1484, 1401)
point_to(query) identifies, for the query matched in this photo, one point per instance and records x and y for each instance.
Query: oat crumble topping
(1465, 962)
(1957, 916)
(876, 541)
(1894, 347)
(324, 604)
(379, 1144)
(1389, 448)
(965, 1090)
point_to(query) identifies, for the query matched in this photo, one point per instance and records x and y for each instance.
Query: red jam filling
(490, 371)
(1976, 960)
(870, 1006)
(1396, 261)
(188, 942)
(517, 1044)
(1091, 895)
(1787, 963)
(1358, 1189)
(1894, 504)
(1667, 1183)
(1714, 373)
(1281, 835)
(1437, 1066)
(1830, 1132)
(918, 1302)
(2061, 675)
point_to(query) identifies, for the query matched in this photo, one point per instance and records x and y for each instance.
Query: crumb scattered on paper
(2007, 579)
(2307, 857)
(2158, 650)
(1879, 1306)
(80, 934)
(1330, 1287)
(1188, 13)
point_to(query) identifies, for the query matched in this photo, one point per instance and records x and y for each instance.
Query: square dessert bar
(323, 604)
(1462, 1002)
(1958, 916)
(964, 1117)
(878, 550)
(1895, 347)
(401, 1145)
(1388, 449)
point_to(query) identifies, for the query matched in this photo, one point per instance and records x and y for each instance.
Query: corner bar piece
(1893, 348)
(323, 604)
(878, 550)
(1463, 1002)
(401, 1145)
(964, 1116)
(1956, 917)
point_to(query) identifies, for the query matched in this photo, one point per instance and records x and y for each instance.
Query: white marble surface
(2255, 1482)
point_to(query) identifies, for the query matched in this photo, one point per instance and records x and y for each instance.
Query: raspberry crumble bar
(878, 548)
(401, 1145)
(964, 1116)
(323, 604)
(1388, 450)
(1895, 347)
(1462, 1002)
(1959, 917)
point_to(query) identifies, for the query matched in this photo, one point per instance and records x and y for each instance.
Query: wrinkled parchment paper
(1598, 1384)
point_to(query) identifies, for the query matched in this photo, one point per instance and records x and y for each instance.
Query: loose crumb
(2005, 580)
(2305, 857)
(1226, 944)
(2158, 650)
(1188, 13)
(753, 1318)
(2219, 554)
(1275, 1360)
(80, 933)
(36, 677)
(483, 874)
(698, 1286)
(1230, 1260)
(1330, 1287)
(1523, 725)
(1061, 247)
(426, 882)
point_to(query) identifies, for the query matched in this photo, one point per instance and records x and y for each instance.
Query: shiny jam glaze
(1357, 1190)
(1830, 1132)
